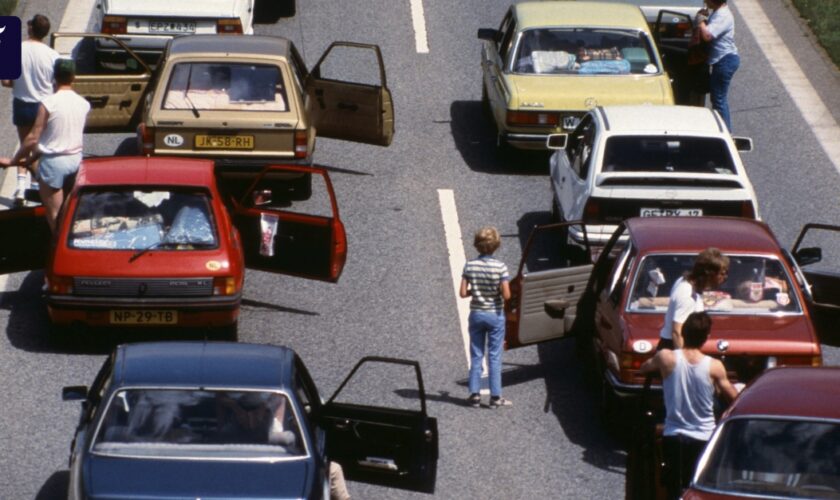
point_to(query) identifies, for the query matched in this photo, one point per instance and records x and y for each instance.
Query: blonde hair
(708, 264)
(487, 240)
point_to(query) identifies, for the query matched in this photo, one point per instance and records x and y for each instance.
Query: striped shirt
(485, 274)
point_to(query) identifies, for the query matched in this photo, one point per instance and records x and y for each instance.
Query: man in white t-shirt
(710, 270)
(55, 138)
(33, 86)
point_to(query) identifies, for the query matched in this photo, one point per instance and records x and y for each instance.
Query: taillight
(747, 210)
(532, 118)
(224, 285)
(60, 285)
(114, 25)
(146, 139)
(229, 26)
(629, 364)
(300, 144)
(339, 250)
(591, 210)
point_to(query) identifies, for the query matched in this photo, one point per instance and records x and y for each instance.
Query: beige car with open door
(245, 102)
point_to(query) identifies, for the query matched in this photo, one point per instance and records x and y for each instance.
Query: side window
(98, 388)
(606, 260)
(580, 147)
(299, 71)
(508, 30)
(305, 391)
(620, 273)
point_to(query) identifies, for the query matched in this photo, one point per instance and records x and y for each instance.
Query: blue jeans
(722, 73)
(486, 327)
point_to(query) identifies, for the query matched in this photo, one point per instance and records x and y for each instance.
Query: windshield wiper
(187, 94)
(156, 245)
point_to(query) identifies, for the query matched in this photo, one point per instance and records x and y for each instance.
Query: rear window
(582, 51)
(225, 87)
(755, 285)
(775, 458)
(128, 219)
(199, 423)
(701, 155)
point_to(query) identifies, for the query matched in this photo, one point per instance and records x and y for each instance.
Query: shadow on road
(55, 487)
(475, 138)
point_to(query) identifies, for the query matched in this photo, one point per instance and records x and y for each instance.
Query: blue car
(209, 420)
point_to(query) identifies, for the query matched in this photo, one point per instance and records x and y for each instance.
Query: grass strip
(7, 7)
(824, 18)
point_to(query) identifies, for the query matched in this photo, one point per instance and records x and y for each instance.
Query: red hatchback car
(151, 241)
(780, 439)
(762, 314)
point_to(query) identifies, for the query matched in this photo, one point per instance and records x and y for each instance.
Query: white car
(146, 26)
(648, 161)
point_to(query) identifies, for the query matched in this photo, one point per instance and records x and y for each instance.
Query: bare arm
(6, 83)
(504, 287)
(464, 291)
(651, 366)
(676, 335)
(30, 142)
(721, 381)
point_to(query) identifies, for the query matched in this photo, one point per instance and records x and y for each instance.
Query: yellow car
(550, 62)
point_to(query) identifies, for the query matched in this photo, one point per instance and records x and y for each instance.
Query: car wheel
(612, 411)
(485, 103)
(276, 8)
(229, 333)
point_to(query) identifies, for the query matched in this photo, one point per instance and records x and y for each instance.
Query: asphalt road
(396, 295)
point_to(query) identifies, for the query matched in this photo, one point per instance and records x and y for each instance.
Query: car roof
(648, 118)
(227, 44)
(140, 170)
(792, 392)
(692, 234)
(536, 14)
(204, 364)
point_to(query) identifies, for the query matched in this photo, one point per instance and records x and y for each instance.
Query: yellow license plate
(224, 142)
(146, 317)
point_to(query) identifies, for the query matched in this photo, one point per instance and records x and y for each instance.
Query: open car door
(349, 95)
(288, 222)
(114, 95)
(822, 273)
(24, 239)
(672, 33)
(547, 288)
(395, 445)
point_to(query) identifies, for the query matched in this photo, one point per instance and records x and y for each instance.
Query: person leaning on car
(710, 270)
(690, 380)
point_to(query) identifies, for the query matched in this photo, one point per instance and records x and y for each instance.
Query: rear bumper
(191, 311)
(525, 141)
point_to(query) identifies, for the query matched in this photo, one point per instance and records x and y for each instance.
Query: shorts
(57, 170)
(24, 113)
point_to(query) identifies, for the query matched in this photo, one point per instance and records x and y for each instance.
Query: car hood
(168, 8)
(746, 335)
(108, 477)
(580, 93)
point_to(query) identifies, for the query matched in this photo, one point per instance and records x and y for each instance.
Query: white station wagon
(145, 26)
(648, 161)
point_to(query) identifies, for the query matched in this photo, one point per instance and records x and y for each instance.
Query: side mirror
(556, 309)
(557, 141)
(806, 256)
(490, 34)
(743, 144)
(74, 393)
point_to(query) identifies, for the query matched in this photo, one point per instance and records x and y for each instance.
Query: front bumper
(192, 311)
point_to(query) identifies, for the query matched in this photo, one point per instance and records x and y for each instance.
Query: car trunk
(575, 93)
(155, 8)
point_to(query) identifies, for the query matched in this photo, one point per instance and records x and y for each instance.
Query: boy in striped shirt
(485, 279)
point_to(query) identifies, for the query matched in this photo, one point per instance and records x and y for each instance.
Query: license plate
(171, 27)
(671, 212)
(147, 317)
(224, 142)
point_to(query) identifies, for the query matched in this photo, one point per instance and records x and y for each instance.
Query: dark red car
(780, 439)
(151, 241)
(762, 314)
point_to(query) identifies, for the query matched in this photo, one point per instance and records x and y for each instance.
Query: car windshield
(696, 155)
(778, 458)
(225, 87)
(755, 285)
(199, 423)
(584, 51)
(129, 219)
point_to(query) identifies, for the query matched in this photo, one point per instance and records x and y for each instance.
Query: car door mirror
(806, 256)
(556, 309)
(74, 393)
(743, 144)
(489, 34)
(557, 141)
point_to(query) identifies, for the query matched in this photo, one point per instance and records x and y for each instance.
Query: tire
(277, 8)
(229, 333)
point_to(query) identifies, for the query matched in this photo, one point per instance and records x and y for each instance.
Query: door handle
(343, 425)
(97, 101)
(135, 87)
(348, 106)
(125, 104)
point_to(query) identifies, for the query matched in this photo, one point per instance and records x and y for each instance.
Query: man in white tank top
(690, 380)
